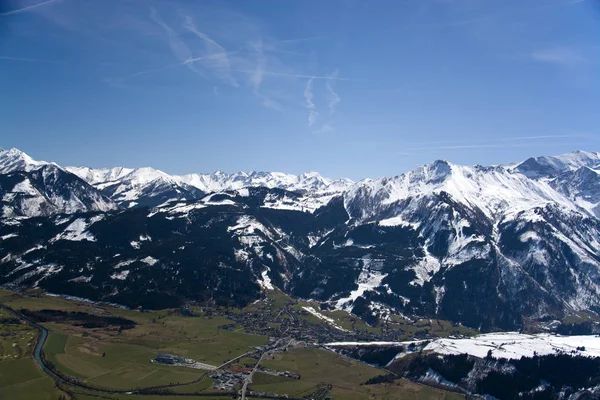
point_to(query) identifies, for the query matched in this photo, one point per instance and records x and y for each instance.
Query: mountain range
(487, 246)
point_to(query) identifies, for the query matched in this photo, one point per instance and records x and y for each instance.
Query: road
(43, 364)
(37, 355)
(248, 379)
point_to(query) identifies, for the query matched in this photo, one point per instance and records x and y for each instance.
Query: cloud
(325, 128)
(492, 146)
(541, 137)
(313, 115)
(299, 40)
(507, 13)
(433, 142)
(178, 47)
(497, 142)
(563, 56)
(223, 46)
(464, 146)
(259, 59)
(291, 75)
(522, 141)
(261, 63)
(334, 99)
(216, 58)
(27, 8)
(33, 60)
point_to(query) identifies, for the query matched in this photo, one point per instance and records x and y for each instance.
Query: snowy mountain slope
(142, 187)
(552, 166)
(490, 247)
(96, 176)
(31, 188)
(581, 186)
(151, 187)
(477, 233)
(15, 160)
(220, 181)
(498, 192)
(220, 250)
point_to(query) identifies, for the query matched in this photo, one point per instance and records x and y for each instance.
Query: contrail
(20, 10)
(296, 75)
(34, 60)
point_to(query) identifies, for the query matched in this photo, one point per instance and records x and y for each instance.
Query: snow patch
(122, 275)
(399, 221)
(124, 263)
(149, 260)
(368, 280)
(77, 230)
(514, 345)
(265, 283)
(25, 187)
(330, 321)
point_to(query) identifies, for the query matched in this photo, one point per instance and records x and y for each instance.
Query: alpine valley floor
(106, 351)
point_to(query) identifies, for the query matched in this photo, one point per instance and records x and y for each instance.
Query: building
(168, 359)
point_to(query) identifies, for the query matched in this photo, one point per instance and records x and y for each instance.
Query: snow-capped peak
(145, 175)
(95, 176)
(548, 166)
(496, 191)
(220, 181)
(110, 176)
(15, 160)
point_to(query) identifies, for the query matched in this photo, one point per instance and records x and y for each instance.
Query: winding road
(43, 364)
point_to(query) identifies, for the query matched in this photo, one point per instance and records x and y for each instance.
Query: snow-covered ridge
(510, 345)
(215, 182)
(499, 191)
(96, 176)
(39, 188)
(570, 181)
(15, 160)
(220, 181)
(530, 230)
(148, 186)
(534, 182)
(514, 345)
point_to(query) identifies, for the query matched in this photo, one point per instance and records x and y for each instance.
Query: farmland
(107, 349)
(20, 378)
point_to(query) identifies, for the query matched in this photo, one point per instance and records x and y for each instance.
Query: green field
(17, 338)
(120, 359)
(126, 365)
(316, 365)
(20, 377)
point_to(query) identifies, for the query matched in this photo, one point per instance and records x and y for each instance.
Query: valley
(300, 200)
(266, 285)
(114, 363)
(493, 248)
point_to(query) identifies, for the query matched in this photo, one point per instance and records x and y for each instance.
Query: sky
(347, 88)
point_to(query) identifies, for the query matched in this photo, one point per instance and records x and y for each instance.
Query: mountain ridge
(490, 247)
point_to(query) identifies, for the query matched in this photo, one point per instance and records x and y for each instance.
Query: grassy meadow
(119, 359)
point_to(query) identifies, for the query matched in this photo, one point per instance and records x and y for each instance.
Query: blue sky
(344, 87)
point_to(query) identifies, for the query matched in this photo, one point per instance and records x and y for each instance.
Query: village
(286, 326)
(292, 322)
(231, 375)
